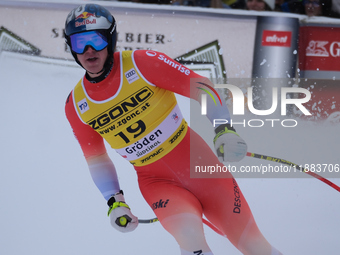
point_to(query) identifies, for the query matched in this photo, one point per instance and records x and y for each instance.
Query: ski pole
(302, 169)
(124, 220)
(148, 220)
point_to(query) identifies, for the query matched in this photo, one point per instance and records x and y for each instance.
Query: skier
(127, 98)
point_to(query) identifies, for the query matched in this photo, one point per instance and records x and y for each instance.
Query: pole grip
(123, 220)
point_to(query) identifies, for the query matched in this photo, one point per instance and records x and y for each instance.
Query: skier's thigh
(167, 199)
(179, 212)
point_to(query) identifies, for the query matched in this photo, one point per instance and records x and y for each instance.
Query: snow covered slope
(49, 204)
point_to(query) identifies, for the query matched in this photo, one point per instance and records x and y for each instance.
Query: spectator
(293, 6)
(234, 4)
(320, 8)
(334, 9)
(227, 4)
(313, 8)
(308, 7)
(202, 3)
(260, 5)
(278, 4)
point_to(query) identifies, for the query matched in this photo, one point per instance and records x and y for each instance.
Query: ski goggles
(95, 39)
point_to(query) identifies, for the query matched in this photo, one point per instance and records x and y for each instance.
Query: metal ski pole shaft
(148, 220)
(302, 169)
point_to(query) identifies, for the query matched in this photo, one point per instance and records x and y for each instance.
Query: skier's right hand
(120, 214)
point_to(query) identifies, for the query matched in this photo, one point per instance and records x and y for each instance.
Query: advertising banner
(319, 64)
(221, 38)
(319, 55)
(275, 57)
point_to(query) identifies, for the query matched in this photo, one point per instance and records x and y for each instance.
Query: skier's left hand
(229, 145)
(120, 214)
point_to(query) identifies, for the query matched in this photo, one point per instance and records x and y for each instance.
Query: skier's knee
(187, 229)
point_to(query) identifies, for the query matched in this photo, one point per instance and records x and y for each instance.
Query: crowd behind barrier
(327, 8)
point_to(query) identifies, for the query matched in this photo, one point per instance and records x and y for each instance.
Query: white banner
(173, 30)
